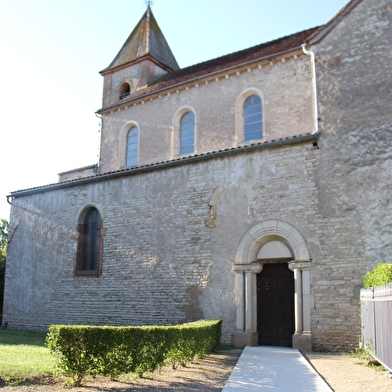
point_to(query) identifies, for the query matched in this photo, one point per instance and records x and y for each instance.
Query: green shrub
(193, 340)
(111, 351)
(379, 275)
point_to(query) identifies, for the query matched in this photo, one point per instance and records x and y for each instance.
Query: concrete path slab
(262, 368)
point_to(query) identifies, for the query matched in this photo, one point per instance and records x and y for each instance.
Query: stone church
(254, 188)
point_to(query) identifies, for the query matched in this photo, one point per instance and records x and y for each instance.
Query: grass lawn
(24, 356)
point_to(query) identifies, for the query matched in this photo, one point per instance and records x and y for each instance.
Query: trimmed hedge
(110, 351)
(379, 275)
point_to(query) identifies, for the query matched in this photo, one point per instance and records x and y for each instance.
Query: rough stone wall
(162, 264)
(287, 100)
(354, 174)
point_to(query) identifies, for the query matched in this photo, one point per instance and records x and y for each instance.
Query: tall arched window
(252, 118)
(90, 246)
(187, 133)
(131, 158)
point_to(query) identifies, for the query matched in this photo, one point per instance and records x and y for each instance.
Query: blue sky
(52, 51)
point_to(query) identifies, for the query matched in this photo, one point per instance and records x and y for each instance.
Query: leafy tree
(3, 241)
(379, 275)
(3, 254)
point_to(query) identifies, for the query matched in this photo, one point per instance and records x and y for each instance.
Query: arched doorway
(275, 295)
(279, 249)
(275, 305)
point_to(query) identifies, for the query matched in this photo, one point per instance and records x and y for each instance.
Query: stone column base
(242, 339)
(302, 341)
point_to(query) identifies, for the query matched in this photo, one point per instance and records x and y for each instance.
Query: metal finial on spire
(148, 3)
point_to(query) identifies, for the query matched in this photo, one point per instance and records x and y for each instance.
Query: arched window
(187, 133)
(131, 158)
(125, 90)
(252, 118)
(90, 245)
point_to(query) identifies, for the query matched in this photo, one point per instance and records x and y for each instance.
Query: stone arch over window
(184, 131)
(257, 244)
(89, 248)
(129, 145)
(249, 116)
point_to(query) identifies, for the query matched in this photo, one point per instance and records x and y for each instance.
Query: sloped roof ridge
(242, 53)
(311, 31)
(145, 39)
(334, 21)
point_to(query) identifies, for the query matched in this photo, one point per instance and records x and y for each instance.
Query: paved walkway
(274, 369)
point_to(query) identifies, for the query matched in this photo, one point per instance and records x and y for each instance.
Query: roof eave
(166, 164)
(109, 70)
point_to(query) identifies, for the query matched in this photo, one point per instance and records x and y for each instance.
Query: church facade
(254, 188)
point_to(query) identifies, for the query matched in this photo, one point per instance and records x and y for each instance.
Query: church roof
(242, 57)
(259, 52)
(145, 40)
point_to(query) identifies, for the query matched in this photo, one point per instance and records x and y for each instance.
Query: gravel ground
(346, 374)
(209, 374)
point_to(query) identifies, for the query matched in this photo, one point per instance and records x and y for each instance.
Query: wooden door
(275, 305)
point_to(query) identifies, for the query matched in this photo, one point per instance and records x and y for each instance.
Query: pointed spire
(145, 40)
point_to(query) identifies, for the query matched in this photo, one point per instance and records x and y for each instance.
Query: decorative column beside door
(246, 304)
(303, 303)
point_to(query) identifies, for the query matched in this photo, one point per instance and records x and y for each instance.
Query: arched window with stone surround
(187, 133)
(90, 244)
(252, 115)
(132, 147)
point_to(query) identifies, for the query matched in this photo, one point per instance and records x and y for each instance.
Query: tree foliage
(3, 242)
(3, 255)
(379, 275)
(3, 231)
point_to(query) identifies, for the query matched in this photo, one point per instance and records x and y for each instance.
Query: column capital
(301, 265)
(254, 267)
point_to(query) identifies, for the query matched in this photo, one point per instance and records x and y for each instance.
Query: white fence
(376, 316)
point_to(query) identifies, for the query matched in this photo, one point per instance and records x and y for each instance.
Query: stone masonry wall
(162, 264)
(354, 174)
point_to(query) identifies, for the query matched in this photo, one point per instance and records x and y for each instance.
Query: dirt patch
(345, 374)
(209, 374)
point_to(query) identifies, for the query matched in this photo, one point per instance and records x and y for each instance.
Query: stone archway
(248, 264)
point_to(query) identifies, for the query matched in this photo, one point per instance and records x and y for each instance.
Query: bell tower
(144, 57)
